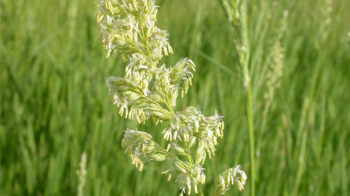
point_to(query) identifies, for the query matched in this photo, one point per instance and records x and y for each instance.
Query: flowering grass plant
(149, 90)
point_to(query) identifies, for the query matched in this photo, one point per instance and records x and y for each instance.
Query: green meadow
(54, 103)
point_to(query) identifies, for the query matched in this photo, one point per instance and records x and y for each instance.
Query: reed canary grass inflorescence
(149, 91)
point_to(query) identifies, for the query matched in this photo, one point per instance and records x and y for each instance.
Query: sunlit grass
(54, 104)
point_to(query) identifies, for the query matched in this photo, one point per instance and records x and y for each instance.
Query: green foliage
(53, 103)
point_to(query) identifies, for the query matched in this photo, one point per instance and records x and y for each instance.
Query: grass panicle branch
(149, 91)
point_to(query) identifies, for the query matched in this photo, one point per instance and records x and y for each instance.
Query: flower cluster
(128, 26)
(149, 91)
(133, 103)
(141, 148)
(189, 175)
(275, 60)
(228, 178)
(189, 126)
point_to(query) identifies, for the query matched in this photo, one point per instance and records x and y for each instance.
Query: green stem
(244, 59)
(301, 132)
(168, 105)
(243, 47)
(251, 139)
(187, 151)
(200, 192)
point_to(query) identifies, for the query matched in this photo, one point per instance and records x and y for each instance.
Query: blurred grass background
(54, 104)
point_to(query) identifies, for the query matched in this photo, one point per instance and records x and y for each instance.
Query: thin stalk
(251, 139)
(250, 118)
(246, 73)
(301, 132)
(243, 50)
(301, 165)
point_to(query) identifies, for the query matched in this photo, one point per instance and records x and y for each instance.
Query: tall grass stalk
(236, 13)
(302, 133)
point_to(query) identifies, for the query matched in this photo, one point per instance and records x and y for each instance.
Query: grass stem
(251, 139)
